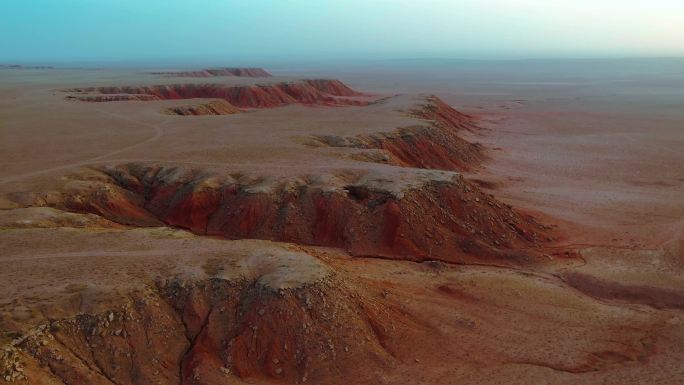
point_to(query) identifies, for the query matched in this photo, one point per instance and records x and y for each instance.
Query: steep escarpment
(252, 72)
(217, 107)
(321, 92)
(112, 97)
(212, 331)
(332, 87)
(434, 216)
(437, 145)
(443, 115)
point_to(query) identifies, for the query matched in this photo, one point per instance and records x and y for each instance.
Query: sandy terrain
(293, 232)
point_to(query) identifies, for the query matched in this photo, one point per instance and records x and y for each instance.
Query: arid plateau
(340, 226)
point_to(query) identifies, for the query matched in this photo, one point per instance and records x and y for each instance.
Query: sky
(252, 31)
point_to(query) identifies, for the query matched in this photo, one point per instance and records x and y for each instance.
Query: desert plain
(397, 223)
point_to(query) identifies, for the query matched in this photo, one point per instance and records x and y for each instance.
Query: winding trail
(158, 133)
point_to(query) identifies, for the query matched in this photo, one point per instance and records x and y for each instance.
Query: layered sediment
(112, 98)
(433, 217)
(437, 145)
(319, 92)
(217, 107)
(213, 330)
(332, 87)
(252, 72)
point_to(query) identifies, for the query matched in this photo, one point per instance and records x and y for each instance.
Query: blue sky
(249, 31)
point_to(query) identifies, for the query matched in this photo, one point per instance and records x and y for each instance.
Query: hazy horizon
(208, 31)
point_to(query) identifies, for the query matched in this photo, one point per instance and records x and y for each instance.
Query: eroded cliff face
(111, 98)
(251, 72)
(332, 87)
(280, 313)
(432, 217)
(279, 326)
(436, 145)
(217, 107)
(308, 92)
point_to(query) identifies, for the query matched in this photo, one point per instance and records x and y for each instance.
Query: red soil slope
(212, 331)
(211, 72)
(111, 98)
(332, 87)
(437, 146)
(434, 219)
(442, 114)
(218, 107)
(321, 92)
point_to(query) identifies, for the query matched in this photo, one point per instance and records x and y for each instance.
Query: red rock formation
(255, 96)
(273, 336)
(218, 107)
(111, 98)
(445, 116)
(437, 146)
(332, 87)
(249, 72)
(436, 219)
(211, 72)
(216, 331)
